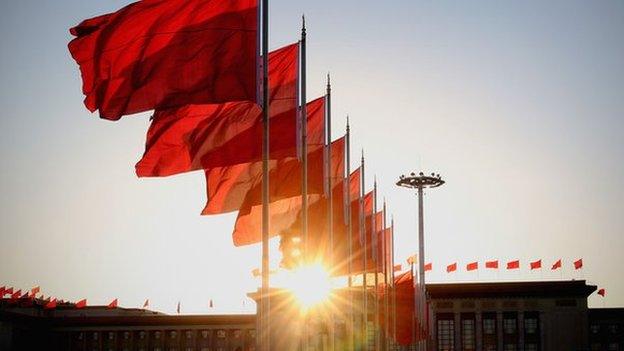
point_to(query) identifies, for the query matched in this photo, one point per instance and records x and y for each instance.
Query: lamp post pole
(420, 182)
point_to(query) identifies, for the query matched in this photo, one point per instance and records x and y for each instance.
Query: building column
(499, 329)
(479, 331)
(457, 323)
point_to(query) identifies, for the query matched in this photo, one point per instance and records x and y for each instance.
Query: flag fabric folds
(473, 266)
(229, 187)
(513, 264)
(556, 265)
(578, 264)
(195, 137)
(451, 268)
(491, 264)
(166, 53)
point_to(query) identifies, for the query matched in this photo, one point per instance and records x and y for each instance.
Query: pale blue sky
(519, 105)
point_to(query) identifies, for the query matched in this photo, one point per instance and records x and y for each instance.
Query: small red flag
(601, 292)
(17, 294)
(428, 267)
(2, 291)
(81, 304)
(113, 304)
(536, 264)
(472, 266)
(146, 303)
(9, 291)
(513, 264)
(35, 290)
(556, 265)
(491, 264)
(451, 268)
(50, 305)
(397, 267)
(578, 264)
(411, 259)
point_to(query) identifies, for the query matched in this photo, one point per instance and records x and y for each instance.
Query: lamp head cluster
(420, 180)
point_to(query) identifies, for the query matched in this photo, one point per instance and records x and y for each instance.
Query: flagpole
(394, 334)
(364, 283)
(351, 323)
(330, 206)
(264, 298)
(386, 289)
(374, 243)
(304, 168)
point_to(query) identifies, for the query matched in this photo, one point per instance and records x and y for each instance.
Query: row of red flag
(494, 264)
(52, 302)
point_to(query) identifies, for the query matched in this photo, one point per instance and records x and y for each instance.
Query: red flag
(513, 264)
(601, 292)
(491, 264)
(411, 259)
(50, 305)
(34, 291)
(404, 289)
(536, 264)
(9, 291)
(473, 266)
(556, 265)
(578, 264)
(113, 304)
(2, 291)
(397, 268)
(428, 267)
(159, 54)
(234, 187)
(81, 304)
(17, 294)
(195, 137)
(451, 268)
(146, 303)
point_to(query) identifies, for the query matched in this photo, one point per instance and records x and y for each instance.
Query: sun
(310, 285)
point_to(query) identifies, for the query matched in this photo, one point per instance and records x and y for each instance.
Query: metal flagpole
(364, 283)
(304, 168)
(394, 334)
(386, 289)
(351, 323)
(374, 243)
(330, 206)
(264, 298)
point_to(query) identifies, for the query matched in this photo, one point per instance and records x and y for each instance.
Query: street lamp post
(420, 182)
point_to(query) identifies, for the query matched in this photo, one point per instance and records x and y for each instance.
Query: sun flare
(310, 285)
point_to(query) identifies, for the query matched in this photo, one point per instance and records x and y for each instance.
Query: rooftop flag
(491, 264)
(513, 264)
(556, 265)
(578, 264)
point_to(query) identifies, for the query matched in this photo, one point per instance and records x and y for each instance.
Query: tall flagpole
(386, 256)
(330, 205)
(374, 243)
(394, 331)
(351, 323)
(304, 168)
(265, 303)
(364, 283)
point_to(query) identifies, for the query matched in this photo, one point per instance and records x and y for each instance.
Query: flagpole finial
(303, 26)
(348, 128)
(328, 80)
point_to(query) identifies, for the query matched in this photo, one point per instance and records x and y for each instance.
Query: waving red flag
(491, 264)
(428, 267)
(536, 264)
(9, 291)
(16, 295)
(451, 268)
(112, 304)
(473, 266)
(513, 264)
(602, 292)
(50, 305)
(81, 304)
(556, 265)
(578, 264)
(167, 53)
(404, 289)
(195, 137)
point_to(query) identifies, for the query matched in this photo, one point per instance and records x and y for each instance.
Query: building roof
(565, 288)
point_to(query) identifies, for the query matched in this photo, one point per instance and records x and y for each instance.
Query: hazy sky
(520, 107)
